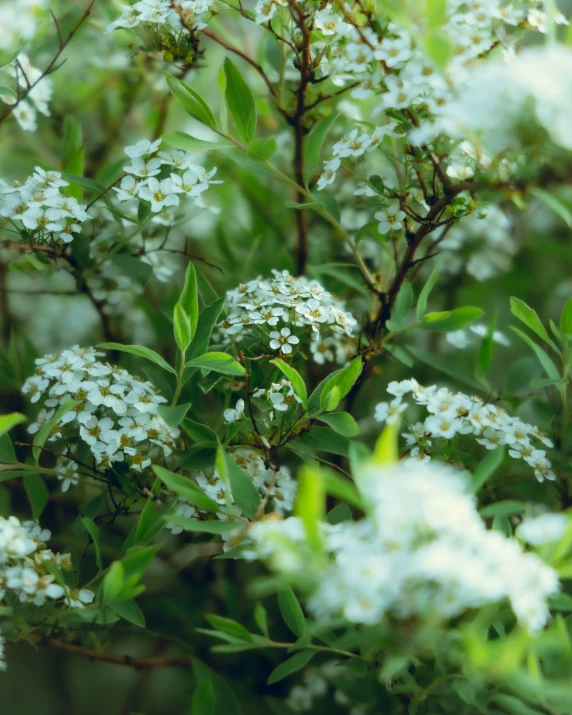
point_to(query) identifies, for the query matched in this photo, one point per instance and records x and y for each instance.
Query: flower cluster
(281, 395)
(162, 178)
(175, 15)
(274, 484)
(508, 105)
(113, 412)
(19, 22)
(257, 309)
(355, 144)
(40, 208)
(423, 552)
(39, 93)
(26, 568)
(456, 413)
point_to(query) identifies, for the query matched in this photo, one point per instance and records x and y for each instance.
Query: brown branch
(52, 64)
(105, 657)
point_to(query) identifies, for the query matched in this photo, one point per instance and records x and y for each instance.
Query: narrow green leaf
(139, 271)
(530, 318)
(291, 611)
(37, 492)
(140, 351)
(450, 319)
(185, 488)
(487, 468)
(543, 358)
(191, 101)
(218, 362)
(292, 665)
(181, 328)
(342, 488)
(180, 140)
(206, 527)
(426, 290)
(343, 379)
(566, 319)
(173, 416)
(314, 144)
(311, 503)
(205, 324)
(507, 507)
(9, 421)
(113, 582)
(46, 429)
(244, 493)
(189, 299)
(91, 527)
(295, 378)
(342, 423)
(240, 102)
(204, 699)
(129, 611)
(553, 203)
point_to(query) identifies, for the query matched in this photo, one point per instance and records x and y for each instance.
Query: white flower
(233, 415)
(142, 148)
(390, 219)
(159, 193)
(283, 340)
(543, 529)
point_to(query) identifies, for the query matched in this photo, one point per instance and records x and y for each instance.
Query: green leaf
(566, 319)
(439, 48)
(342, 488)
(173, 416)
(150, 523)
(436, 13)
(204, 699)
(324, 439)
(181, 328)
(263, 149)
(530, 318)
(244, 493)
(292, 665)
(9, 421)
(240, 102)
(291, 611)
(7, 454)
(295, 378)
(543, 358)
(129, 611)
(206, 527)
(140, 351)
(218, 362)
(426, 290)
(487, 468)
(553, 203)
(227, 625)
(185, 488)
(139, 271)
(37, 492)
(198, 432)
(311, 503)
(342, 423)
(7, 56)
(191, 101)
(261, 618)
(113, 582)
(206, 322)
(180, 140)
(343, 379)
(46, 429)
(189, 299)
(487, 346)
(507, 507)
(450, 319)
(91, 527)
(314, 143)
